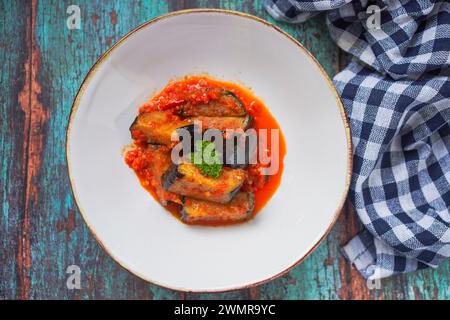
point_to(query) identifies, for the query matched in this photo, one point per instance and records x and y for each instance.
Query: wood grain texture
(13, 144)
(41, 230)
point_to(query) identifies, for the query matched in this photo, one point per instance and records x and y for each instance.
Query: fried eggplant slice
(238, 209)
(160, 163)
(222, 103)
(187, 180)
(156, 127)
(223, 123)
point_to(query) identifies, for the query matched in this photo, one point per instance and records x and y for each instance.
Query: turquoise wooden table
(43, 63)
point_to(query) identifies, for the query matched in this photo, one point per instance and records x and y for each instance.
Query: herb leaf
(206, 159)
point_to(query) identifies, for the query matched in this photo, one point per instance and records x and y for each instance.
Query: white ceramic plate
(132, 227)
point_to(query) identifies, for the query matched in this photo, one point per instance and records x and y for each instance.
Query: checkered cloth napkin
(396, 93)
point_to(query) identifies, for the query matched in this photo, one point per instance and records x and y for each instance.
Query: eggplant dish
(206, 185)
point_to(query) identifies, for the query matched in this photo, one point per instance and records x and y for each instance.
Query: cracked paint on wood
(41, 230)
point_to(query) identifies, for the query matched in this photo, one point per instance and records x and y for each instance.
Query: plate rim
(102, 58)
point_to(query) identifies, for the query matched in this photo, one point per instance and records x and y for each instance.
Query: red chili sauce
(175, 95)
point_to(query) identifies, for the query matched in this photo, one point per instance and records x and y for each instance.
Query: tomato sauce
(174, 96)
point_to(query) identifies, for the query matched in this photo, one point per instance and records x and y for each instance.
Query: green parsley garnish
(206, 159)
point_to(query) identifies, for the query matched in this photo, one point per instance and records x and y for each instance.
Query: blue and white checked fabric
(396, 94)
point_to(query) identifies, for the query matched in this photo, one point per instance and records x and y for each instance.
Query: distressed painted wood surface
(42, 65)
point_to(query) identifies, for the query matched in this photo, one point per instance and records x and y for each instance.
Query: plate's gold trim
(105, 55)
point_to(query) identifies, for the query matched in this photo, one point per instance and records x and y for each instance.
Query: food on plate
(197, 150)
(237, 210)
